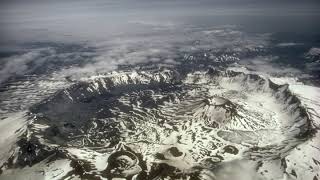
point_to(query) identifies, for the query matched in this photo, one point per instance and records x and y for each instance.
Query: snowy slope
(164, 125)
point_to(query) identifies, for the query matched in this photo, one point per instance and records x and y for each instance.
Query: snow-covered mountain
(162, 124)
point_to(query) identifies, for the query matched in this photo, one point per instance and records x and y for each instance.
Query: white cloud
(165, 49)
(266, 65)
(288, 44)
(17, 65)
(315, 51)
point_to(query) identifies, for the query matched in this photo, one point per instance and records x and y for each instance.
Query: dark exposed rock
(32, 151)
(231, 149)
(123, 164)
(175, 151)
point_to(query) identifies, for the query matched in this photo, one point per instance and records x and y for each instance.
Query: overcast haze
(96, 20)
